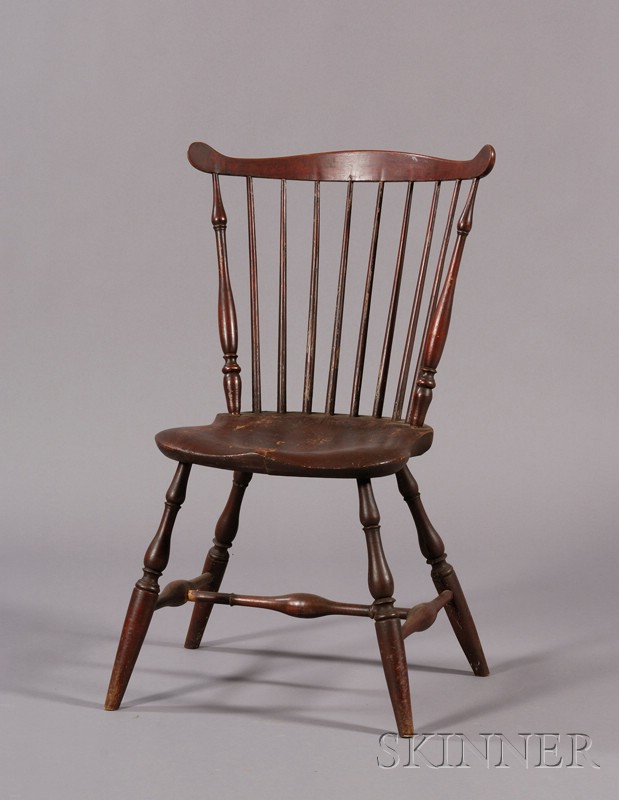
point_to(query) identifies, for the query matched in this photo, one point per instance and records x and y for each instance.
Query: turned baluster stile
(436, 284)
(434, 344)
(228, 332)
(417, 300)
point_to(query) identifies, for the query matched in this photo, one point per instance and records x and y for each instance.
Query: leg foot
(388, 626)
(137, 620)
(395, 667)
(217, 557)
(146, 591)
(443, 575)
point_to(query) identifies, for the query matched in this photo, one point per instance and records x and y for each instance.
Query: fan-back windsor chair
(327, 442)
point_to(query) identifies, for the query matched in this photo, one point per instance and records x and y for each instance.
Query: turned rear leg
(145, 593)
(217, 557)
(443, 574)
(387, 623)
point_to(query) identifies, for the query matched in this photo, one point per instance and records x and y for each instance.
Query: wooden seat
(386, 324)
(319, 445)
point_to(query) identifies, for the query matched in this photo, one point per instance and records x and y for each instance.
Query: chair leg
(387, 623)
(443, 574)
(145, 593)
(217, 557)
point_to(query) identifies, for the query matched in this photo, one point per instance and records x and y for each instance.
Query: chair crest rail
(345, 165)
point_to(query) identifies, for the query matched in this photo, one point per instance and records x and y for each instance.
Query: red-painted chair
(325, 433)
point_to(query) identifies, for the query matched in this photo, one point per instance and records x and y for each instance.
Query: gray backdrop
(108, 331)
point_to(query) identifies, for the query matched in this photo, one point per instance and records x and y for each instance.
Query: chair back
(368, 334)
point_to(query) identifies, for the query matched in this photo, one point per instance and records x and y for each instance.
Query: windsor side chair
(334, 441)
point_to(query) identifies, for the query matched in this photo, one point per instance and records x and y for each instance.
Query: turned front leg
(218, 556)
(146, 591)
(443, 574)
(387, 623)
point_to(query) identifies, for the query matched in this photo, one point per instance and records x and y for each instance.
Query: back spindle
(310, 350)
(434, 344)
(283, 302)
(367, 301)
(385, 359)
(226, 312)
(253, 293)
(339, 307)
